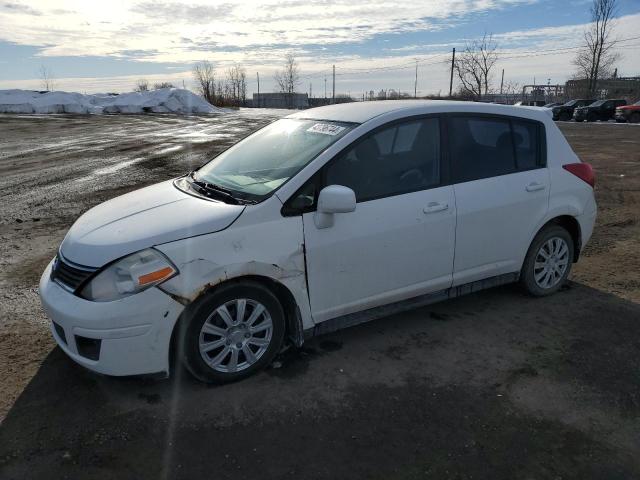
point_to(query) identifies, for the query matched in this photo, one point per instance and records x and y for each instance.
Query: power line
(427, 61)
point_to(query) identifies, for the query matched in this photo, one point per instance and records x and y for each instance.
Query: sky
(97, 46)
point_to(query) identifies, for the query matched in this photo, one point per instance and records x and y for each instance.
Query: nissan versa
(323, 219)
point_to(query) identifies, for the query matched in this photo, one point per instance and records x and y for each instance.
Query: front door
(399, 242)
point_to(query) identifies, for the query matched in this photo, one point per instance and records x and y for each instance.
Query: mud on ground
(494, 385)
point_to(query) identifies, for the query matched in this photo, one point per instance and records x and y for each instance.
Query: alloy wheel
(236, 335)
(551, 262)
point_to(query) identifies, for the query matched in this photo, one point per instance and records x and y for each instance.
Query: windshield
(259, 164)
(571, 103)
(598, 103)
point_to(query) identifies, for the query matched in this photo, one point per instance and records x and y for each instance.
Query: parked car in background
(321, 220)
(565, 111)
(600, 110)
(551, 105)
(628, 113)
(530, 103)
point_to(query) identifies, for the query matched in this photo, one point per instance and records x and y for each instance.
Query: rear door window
(480, 147)
(483, 147)
(526, 141)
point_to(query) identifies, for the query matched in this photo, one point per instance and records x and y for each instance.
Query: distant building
(320, 101)
(620, 87)
(280, 100)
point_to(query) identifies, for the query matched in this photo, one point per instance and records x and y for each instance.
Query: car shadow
(495, 383)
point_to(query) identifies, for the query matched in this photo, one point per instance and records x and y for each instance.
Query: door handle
(433, 207)
(535, 186)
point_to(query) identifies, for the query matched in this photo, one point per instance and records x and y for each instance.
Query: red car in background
(628, 113)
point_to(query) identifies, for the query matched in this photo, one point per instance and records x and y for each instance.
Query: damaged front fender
(272, 250)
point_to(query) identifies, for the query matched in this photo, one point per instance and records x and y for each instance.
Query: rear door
(399, 241)
(501, 187)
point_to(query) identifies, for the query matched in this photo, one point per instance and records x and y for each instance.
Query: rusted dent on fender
(200, 275)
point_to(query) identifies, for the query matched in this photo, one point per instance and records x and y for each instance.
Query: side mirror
(333, 199)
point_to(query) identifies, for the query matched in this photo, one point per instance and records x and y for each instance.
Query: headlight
(129, 275)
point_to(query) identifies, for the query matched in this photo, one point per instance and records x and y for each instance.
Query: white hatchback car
(321, 220)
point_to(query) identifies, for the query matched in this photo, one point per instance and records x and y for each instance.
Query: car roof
(361, 112)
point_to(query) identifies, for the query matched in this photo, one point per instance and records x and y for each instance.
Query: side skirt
(357, 318)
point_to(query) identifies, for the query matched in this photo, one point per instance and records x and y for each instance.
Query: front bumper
(130, 336)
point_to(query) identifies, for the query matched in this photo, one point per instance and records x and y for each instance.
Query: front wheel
(548, 261)
(233, 332)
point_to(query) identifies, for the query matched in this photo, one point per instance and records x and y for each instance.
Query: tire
(533, 275)
(224, 333)
(592, 117)
(565, 116)
(634, 118)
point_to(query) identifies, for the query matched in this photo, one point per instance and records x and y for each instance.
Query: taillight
(583, 171)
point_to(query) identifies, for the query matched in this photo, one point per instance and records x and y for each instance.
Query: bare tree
(511, 87)
(237, 80)
(596, 59)
(205, 77)
(46, 77)
(158, 86)
(474, 65)
(288, 78)
(142, 86)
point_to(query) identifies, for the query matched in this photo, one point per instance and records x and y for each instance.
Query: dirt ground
(493, 385)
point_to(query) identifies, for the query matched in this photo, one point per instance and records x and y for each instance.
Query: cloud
(258, 33)
(111, 28)
(11, 7)
(170, 12)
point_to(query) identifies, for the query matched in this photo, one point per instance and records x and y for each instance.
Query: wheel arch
(293, 325)
(571, 225)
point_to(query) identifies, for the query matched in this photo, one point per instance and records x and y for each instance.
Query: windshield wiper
(211, 189)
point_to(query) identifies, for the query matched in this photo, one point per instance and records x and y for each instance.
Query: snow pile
(164, 100)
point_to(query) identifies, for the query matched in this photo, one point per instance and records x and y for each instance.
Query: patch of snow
(164, 100)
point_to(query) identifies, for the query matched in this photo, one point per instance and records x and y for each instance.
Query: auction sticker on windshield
(326, 129)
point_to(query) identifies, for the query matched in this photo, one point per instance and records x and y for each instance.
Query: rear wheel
(565, 116)
(634, 118)
(233, 333)
(548, 261)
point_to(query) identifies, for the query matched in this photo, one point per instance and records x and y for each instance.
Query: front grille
(70, 275)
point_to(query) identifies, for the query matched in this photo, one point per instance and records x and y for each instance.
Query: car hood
(150, 216)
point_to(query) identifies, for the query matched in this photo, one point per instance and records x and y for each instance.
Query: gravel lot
(493, 385)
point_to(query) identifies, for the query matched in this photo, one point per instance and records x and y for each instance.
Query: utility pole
(502, 81)
(258, 77)
(334, 85)
(453, 61)
(415, 83)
